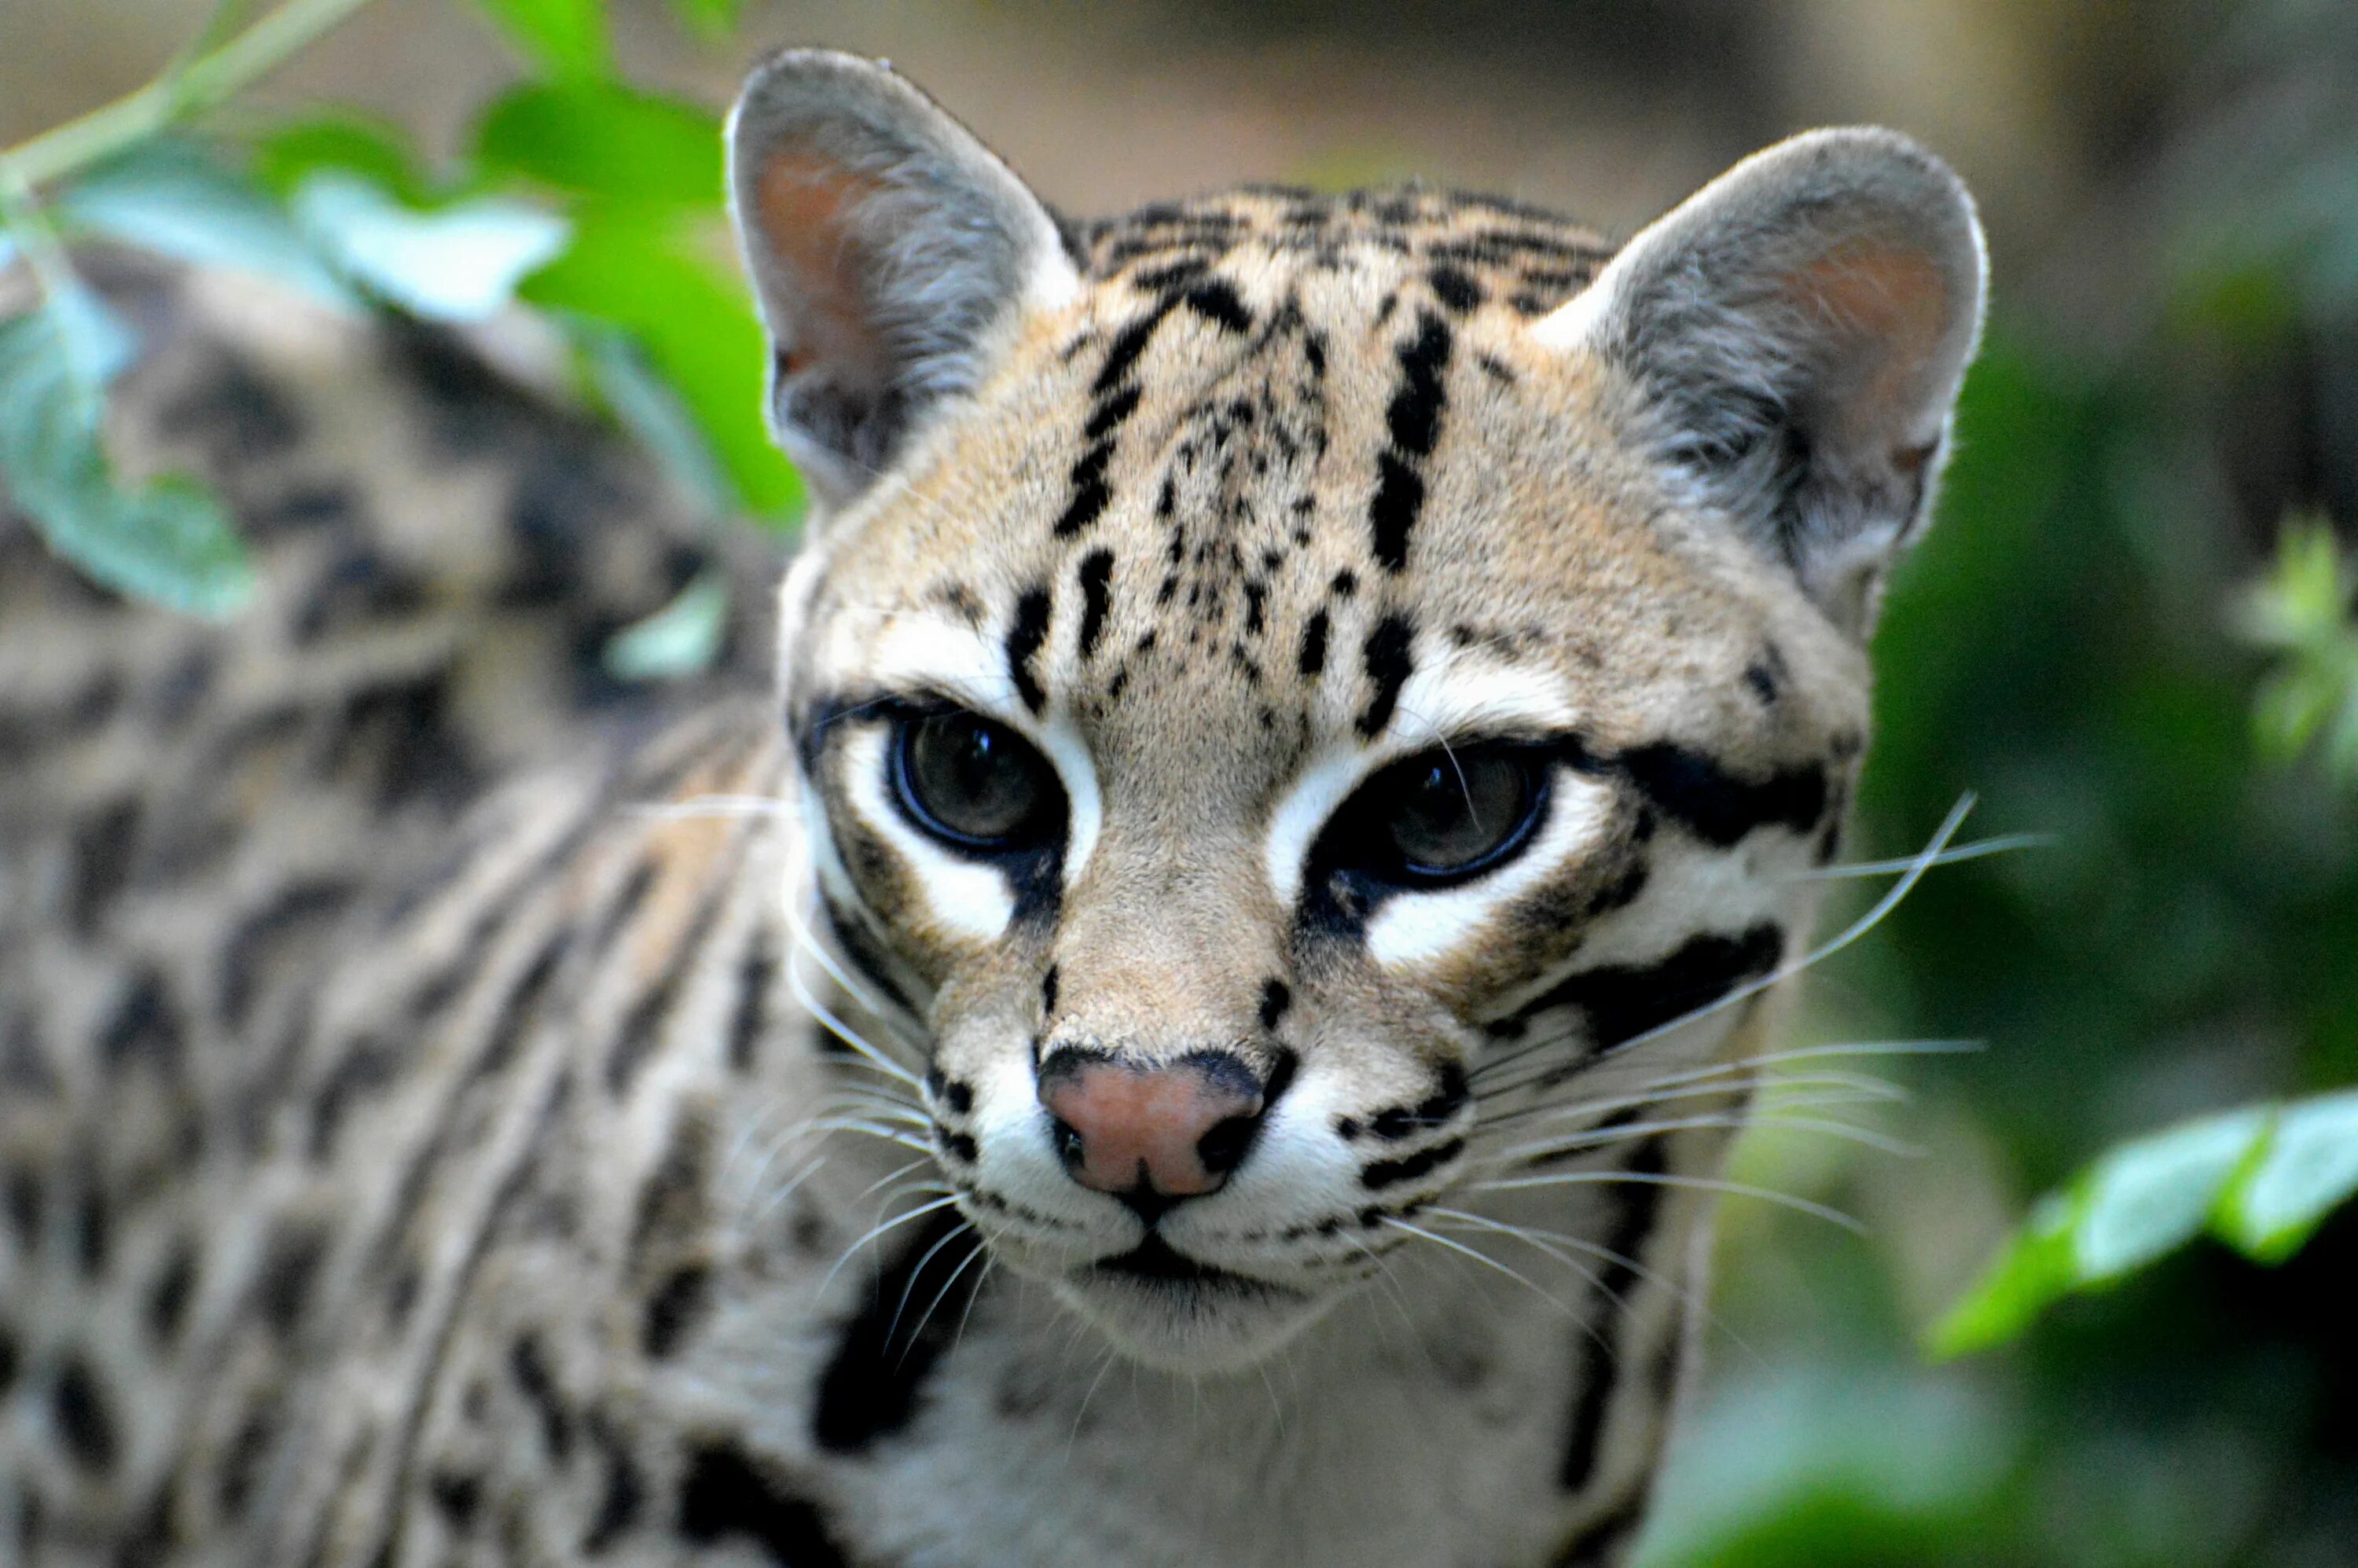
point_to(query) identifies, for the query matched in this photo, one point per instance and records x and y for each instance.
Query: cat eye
(975, 783)
(1444, 816)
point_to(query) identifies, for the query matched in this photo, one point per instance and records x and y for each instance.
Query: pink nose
(1171, 1131)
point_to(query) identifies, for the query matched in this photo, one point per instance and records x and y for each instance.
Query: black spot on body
(103, 843)
(624, 1496)
(282, 1287)
(724, 1495)
(85, 1424)
(144, 1027)
(1025, 635)
(169, 1293)
(871, 1387)
(528, 1364)
(1389, 663)
(458, 1497)
(673, 1309)
(260, 937)
(1599, 1361)
(757, 972)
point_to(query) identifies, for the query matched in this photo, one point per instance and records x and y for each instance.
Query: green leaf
(696, 326)
(599, 140)
(286, 156)
(2033, 1271)
(2310, 1168)
(2150, 1198)
(713, 19)
(564, 38)
(168, 541)
(2261, 1179)
(175, 198)
(460, 262)
(681, 639)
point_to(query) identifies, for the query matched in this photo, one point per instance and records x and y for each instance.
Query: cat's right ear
(890, 253)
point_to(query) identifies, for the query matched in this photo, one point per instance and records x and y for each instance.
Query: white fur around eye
(965, 896)
(1416, 927)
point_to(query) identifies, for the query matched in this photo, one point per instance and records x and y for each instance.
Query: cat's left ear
(890, 252)
(1796, 332)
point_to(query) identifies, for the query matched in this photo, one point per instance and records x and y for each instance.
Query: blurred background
(2104, 639)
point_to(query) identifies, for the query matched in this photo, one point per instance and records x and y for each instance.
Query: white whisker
(1957, 856)
(1697, 1183)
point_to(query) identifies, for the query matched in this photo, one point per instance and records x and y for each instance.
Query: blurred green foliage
(593, 206)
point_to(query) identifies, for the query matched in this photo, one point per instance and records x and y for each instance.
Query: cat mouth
(1155, 1264)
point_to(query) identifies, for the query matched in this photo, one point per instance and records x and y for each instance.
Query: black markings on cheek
(1313, 659)
(1434, 1110)
(1717, 806)
(1048, 993)
(1382, 1174)
(1096, 579)
(1024, 636)
(1623, 1002)
(1766, 674)
(1276, 997)
(1389, 663)
(960, 1147)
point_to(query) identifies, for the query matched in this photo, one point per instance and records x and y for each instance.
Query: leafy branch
(206, 79)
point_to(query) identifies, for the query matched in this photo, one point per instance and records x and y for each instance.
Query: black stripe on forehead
(1389, 663)
(1413, 424)
(1025, 635)
(1114, 396)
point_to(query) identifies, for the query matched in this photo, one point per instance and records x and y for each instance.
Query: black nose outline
(1222, 1149)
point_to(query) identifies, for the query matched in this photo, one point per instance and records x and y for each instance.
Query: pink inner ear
(806, 211)
(1886, 310)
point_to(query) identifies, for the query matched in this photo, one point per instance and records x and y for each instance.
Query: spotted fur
(463, 1109)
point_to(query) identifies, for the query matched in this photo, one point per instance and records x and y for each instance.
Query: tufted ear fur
(890, 252)
(1799, 328)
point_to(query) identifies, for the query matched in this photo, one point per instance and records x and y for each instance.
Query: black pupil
(972, 777)
(1448, 813)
